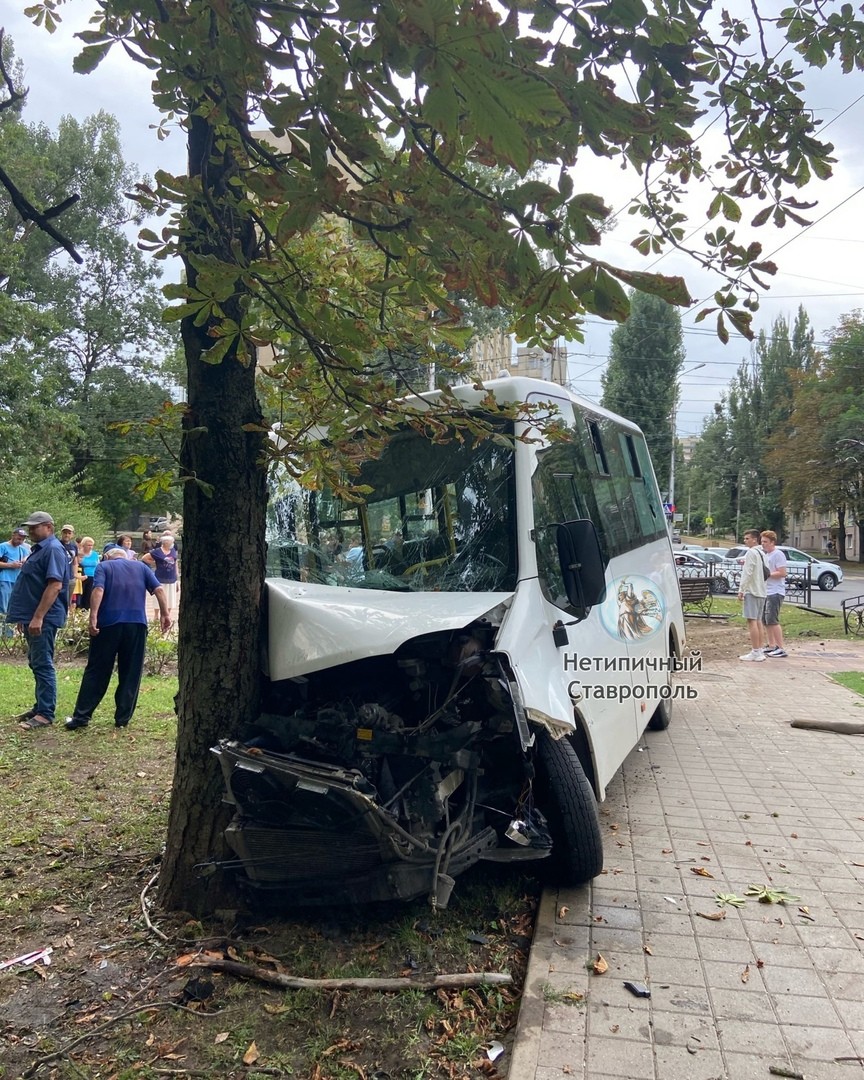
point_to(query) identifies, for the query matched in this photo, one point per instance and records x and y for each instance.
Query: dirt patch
(121, 1002)
(116, 998)
(716, 639)
(726, 639)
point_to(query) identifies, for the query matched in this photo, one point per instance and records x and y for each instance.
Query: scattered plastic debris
(495, 1051)
(27, 959)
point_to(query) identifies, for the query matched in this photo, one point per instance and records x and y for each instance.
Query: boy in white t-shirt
(775, 588)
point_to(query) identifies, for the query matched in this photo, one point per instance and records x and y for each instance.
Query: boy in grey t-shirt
(752, 592)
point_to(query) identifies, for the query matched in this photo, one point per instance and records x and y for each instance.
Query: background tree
(384, 108)
(730, 471)
(711, 476)
(83, 344)
(24, 490)
(819, 453)
(12, 96)
(641, 381)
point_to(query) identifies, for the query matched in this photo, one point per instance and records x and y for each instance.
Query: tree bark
(223, 556)
(841, 533)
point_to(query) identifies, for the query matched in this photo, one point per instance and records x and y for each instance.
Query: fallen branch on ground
(842, 727)
(293, 982)
(150, 925)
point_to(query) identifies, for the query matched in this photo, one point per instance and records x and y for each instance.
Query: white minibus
(458, 659)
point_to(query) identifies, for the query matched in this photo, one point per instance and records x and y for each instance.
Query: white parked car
(702, 563)
(826, 575)
(707, 555)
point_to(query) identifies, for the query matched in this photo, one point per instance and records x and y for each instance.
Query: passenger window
(630, 455)
(597, 446)
(557, 499)
(650, 519)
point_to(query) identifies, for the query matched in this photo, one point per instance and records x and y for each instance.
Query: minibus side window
(627, 511)
(597, 446)
(628, 532)
(556, 499)
(650, 493)
(651, 522)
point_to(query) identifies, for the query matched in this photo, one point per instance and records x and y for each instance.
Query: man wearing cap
(39, 604)
(118, 631)
(67, 539)
(12, 556)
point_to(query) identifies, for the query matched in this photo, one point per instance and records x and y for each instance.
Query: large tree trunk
(841, 533)
(223, 559)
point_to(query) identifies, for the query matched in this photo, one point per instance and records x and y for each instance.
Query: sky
(819, 267)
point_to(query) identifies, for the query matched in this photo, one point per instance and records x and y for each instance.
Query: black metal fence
(727, 579)
(853, 615)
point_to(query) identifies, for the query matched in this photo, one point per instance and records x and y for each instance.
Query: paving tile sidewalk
(733, 790)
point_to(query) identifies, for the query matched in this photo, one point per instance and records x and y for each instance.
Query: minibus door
(592, 653)
(643, 630)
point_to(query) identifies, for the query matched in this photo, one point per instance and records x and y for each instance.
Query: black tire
(571, 809)
(826, 582)
(662, 716)
(720, 586)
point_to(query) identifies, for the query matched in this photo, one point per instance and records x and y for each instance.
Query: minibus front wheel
(662, 715)
(569, 804)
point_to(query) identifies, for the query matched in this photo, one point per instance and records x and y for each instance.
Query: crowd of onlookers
(42, 579)
(160, 555)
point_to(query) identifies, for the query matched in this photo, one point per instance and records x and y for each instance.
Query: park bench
(697, 592)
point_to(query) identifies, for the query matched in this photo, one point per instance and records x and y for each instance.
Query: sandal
(35, 722)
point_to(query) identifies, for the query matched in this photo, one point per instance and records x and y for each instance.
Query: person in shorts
(775, 588)
(752, 592)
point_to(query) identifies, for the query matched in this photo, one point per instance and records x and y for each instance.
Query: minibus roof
(510, 389)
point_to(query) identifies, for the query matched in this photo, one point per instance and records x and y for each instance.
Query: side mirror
(582, 567)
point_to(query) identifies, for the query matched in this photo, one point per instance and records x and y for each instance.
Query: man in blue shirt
(12, 556)
(39, 604)
(118, 631)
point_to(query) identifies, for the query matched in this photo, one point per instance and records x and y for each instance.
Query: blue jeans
(7, 629)
(40, 657)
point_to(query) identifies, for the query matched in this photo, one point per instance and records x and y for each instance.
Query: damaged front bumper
(316, 834)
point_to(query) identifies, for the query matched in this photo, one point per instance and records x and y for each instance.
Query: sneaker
(778, 653)
(770, 650)
(755, 655)
(73, 723)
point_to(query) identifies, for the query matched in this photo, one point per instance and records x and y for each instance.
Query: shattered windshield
(440, 518)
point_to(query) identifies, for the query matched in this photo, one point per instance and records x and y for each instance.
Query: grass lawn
(796, 621)
(107, 788)
(853, 680)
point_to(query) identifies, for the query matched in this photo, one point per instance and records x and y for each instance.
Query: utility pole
(738, 508)
(671, 497)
